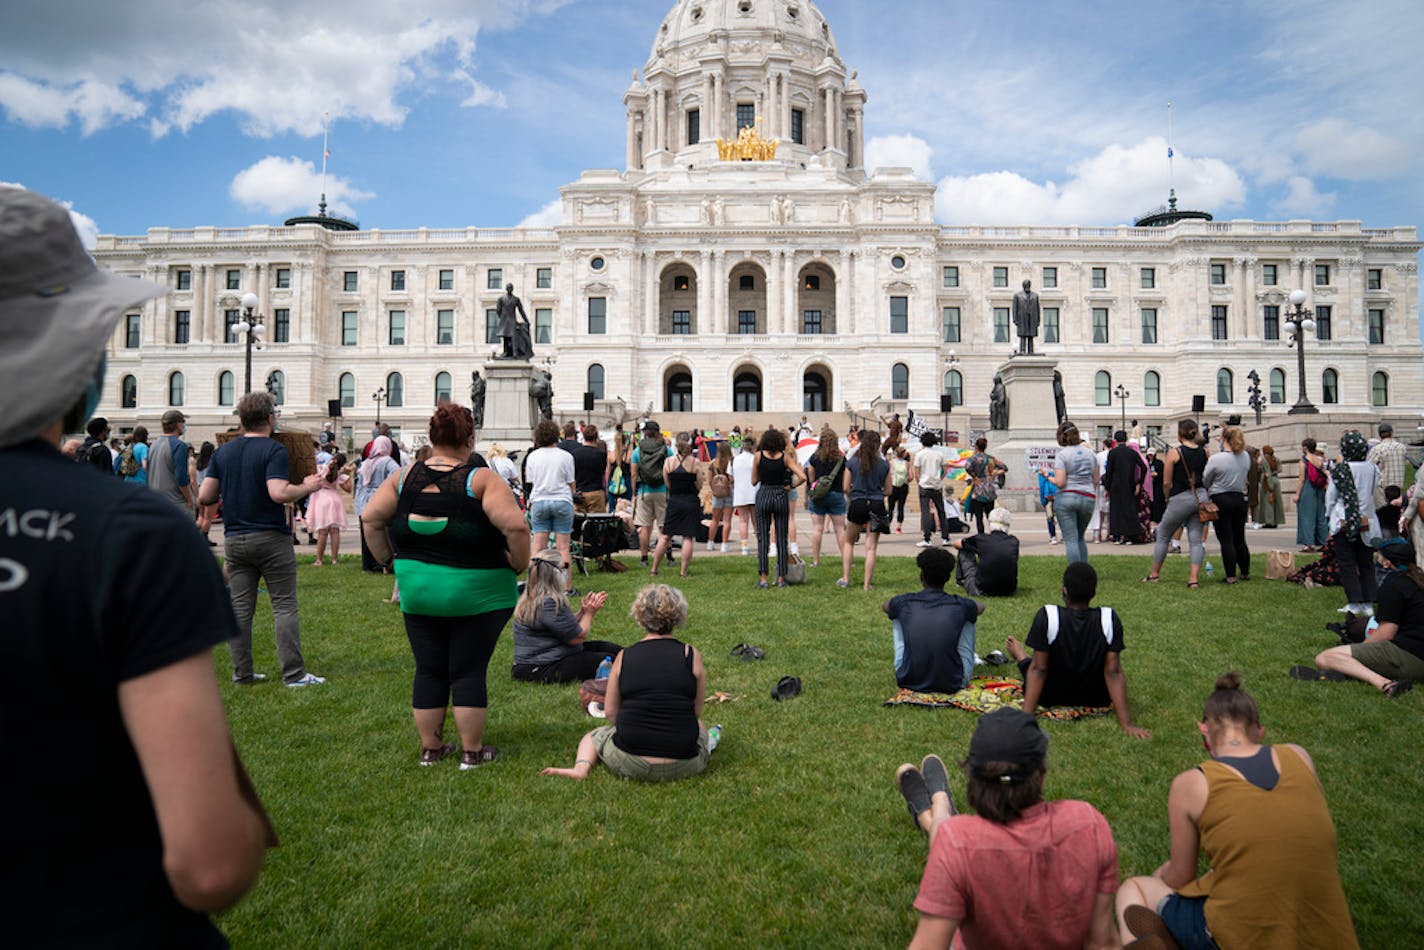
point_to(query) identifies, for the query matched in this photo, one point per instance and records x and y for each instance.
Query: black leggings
(895, 502)
(452, 655)
(772, 511)
(575, 668)
(1231, 533)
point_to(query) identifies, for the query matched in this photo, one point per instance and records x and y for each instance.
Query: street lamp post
(1121, 393)
(951, 363)
(1254, 399)
(380, 396)
(252, 328)
(1300, 322)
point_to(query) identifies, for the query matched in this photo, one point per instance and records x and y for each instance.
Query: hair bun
(1228, 681)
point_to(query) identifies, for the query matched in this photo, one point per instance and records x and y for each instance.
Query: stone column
(202, 333)
(775, 296)
(791, 322)
(717, 317)
(632, 159)
(650, 294)
(717, 132)
(829, 124)
(843, 293)
(704, 293)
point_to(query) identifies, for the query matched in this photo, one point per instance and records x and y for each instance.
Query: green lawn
(795, 834)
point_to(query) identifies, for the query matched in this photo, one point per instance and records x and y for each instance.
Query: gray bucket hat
(57, 311)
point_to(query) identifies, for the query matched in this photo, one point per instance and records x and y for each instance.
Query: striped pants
(772, 507)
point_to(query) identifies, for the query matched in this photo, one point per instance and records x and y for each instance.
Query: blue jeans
(966, 648)
(555, 516)
(1073, 513)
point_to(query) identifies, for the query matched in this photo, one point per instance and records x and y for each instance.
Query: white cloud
(85, 225)
(279, 185)
(899, 151)
(480, 94)
(1111, 187)
(549, 216)
(94, 104)
(1335, 147)
(1303, 200)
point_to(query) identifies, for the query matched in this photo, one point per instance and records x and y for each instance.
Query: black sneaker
(937, 778)
(913, 789)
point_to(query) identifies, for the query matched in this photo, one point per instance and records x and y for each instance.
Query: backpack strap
(1107, 622)
(1052, 611)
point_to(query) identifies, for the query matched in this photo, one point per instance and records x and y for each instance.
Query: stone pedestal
(510, 412)
(1031, 440)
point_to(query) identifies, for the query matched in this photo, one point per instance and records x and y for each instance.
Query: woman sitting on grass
(1260, 815)
(654, 698)
(551, 642)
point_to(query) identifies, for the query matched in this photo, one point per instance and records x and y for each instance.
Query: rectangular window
(348, 281)
(694, 126)
(348, 328)
(447, 278)
(1149, 278)
(544, 325)
(183, 280)
(230, 318)
(1376, 326)
(899, 314)
(397, 331)
(1271, 322)
(1218, 322)
(1051, 333)
(1001, 277)
(282, 325)
(1100, 278)
(598, 315)
(1322, 323)
(283, 279)
(494, 278)
(1149, 324)
(1322, 275)
(682, 322)
(1001, 324)
(234, 280)
(951, 277)
(1050, 277)
(798, 126)
(811, 321)
(183, 323)
(544, 278)
(684, 283)
(1100, 324)
(746, 115)
(1374, 278)
(1218, 274)
(492, 326)
(1268, 275)
(949, 323)
(444, 327)
(746, 321)
(813, 282)
(746, 282)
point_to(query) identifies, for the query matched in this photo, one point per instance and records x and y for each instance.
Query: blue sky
(448, 113)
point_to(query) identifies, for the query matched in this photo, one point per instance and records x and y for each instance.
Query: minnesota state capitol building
(746, 261)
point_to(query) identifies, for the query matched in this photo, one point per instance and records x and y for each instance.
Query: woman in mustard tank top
(1259, 815)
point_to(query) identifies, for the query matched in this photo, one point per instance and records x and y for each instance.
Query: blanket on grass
(986, 694)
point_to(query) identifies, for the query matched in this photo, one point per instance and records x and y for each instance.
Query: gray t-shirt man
(168, 462)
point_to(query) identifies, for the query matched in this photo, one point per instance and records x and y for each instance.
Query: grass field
(795, 834)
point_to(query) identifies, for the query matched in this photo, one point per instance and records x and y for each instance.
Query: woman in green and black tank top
(460, 542)
(1182, 476)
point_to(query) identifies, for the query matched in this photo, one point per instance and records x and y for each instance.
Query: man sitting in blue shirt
(934, 631)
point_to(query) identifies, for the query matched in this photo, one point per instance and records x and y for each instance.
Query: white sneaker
(308, 679)
(724, 547)
(1347, 609)
(710, 545)
(794, 549)
(922, 544)
(746, 550)
(1175, 547)
(772, 552)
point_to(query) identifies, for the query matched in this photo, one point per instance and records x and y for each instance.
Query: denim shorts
(555, 516)
(720, 503)
(835, 504)
(1186, 918)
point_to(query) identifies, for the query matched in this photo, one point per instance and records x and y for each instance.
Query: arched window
(1330, 387)
(395, 391)
(442, 387)
(1102, 388)
(1278, 386)
(1223, 387)
(595, 380)
(678, 397)
(746, 392)
(815, 392)
(1151, 388)
(899, 381)
(175, 389)
(277, 386)
(226, 389)
(1379, 390)
(128, 395)
(954, 386)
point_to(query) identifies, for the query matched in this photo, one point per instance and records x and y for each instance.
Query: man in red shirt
(1022, 872)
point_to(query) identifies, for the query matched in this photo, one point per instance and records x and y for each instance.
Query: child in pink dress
(326, 512)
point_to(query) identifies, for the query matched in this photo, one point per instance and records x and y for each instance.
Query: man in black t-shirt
(590, 461)
(934, 631)
(95, 450)
(1392, 657)
(989, 562)
(130, 816)
(1075, 660)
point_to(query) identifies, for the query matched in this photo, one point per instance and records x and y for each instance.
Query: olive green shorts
(1389, 659)
(626, 765)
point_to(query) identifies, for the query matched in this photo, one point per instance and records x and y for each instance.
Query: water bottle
(714, 736)
(1208, 569)
(604, 668)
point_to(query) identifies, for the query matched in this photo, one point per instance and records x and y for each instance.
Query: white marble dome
(694, 25)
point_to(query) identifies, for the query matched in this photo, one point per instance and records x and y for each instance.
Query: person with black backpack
(95, 450)
(649, 484)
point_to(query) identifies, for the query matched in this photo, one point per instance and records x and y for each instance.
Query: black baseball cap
(1012, 736)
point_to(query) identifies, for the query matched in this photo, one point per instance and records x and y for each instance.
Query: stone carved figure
(717, 210)
(541, 387)
(707, 211)
(514, 326)
(1026, 315)
(998, 404)
(477, 398)
(1060, 399)
(845, 211)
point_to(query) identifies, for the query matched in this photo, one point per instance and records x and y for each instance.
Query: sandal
(473, 759)
(1152, 578)
(431, 756)
(1315, 675)
(1193, 585)
(788, 687)
(748, 652)
(1396, 688)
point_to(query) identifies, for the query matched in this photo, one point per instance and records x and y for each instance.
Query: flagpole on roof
(325, 154)
(1171, 173)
